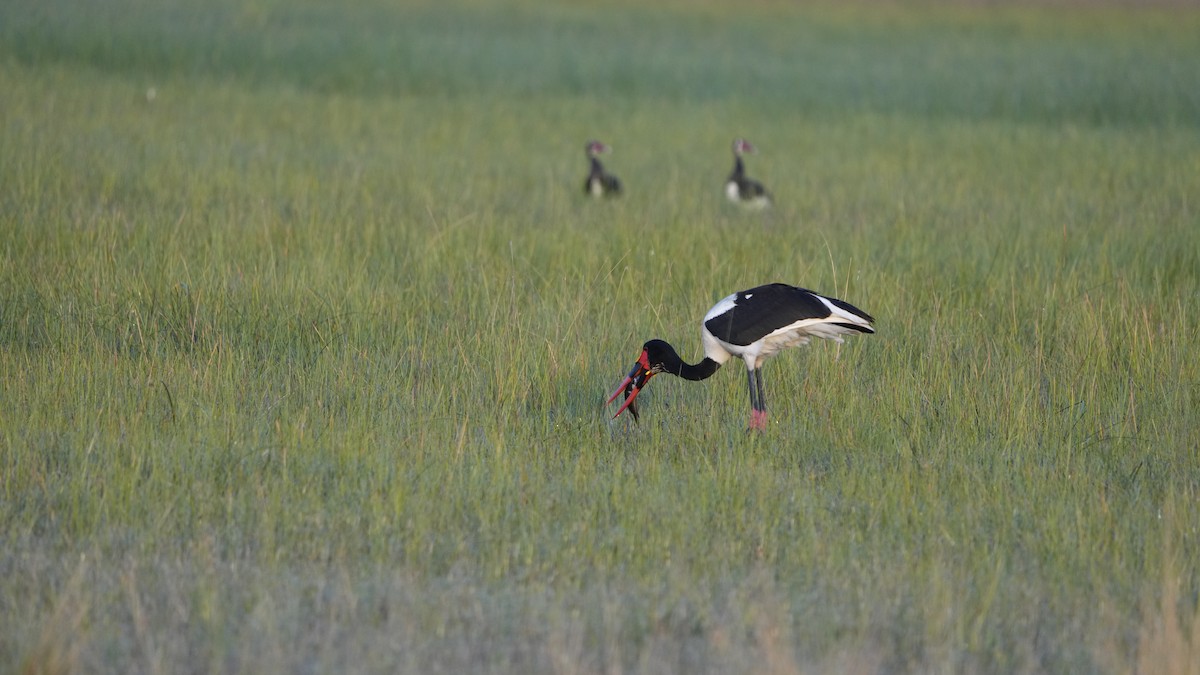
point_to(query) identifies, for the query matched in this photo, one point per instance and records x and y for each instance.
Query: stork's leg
(762, 391)
(758, 404)
(751, 388)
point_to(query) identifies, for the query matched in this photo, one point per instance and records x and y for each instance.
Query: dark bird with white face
(740, 188)
(752, 325)
(599, 183)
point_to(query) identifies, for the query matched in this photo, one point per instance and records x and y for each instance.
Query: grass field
(306, 328)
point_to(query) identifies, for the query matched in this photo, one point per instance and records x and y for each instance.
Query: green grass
(305, 331)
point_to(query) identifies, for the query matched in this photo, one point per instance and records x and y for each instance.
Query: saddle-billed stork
(753, 325)
(741, 189)
(599, 183)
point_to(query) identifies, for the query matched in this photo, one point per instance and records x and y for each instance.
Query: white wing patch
(726, 303)
(838, 314)
(715, 349)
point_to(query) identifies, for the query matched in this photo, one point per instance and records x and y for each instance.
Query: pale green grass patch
(304, 354)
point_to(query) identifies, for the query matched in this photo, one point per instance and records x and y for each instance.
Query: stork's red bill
(632, 385)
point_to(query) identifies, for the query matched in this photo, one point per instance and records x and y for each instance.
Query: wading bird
(741, 189)
(753, 325)
(599, 182)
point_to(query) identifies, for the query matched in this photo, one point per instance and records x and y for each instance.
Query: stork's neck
(597, 167)
(675, 365)
(739, 171)
(700, 371)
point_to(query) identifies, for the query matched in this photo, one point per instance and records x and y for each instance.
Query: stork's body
(740, 188)
(599, 183)
(752, 325)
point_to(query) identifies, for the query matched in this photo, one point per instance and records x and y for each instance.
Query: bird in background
(752, 325)
(599, 183)
(740, 188)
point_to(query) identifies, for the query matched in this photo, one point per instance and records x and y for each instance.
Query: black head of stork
(658, 356)
(599, 183)
(753, 325)
(740, 188)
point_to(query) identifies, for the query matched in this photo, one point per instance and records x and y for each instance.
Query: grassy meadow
(306, 329)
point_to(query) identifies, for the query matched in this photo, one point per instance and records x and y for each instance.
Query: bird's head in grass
(742, 146)
(656, 357)
(595, 148)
